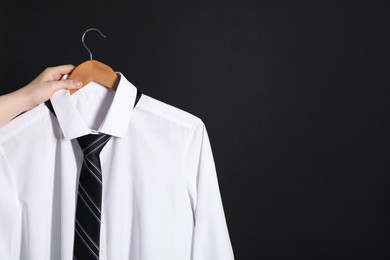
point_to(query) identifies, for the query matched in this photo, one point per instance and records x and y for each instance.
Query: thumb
(67, 84)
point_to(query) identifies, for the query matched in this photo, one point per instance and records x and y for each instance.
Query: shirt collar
(116, 120)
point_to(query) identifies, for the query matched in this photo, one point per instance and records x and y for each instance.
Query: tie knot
(92, 144)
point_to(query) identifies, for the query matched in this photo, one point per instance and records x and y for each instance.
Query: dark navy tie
(89, 198)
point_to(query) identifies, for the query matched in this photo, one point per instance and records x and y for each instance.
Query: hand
(37, 91)
(46, 84)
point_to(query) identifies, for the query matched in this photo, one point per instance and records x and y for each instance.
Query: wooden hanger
(93, 70)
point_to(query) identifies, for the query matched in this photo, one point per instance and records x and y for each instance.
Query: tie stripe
(91, 150)
(93, 143)
(92, 208)
(86, 241)
(89, 198)
(96, 175)
(82, 192)
(84, 235)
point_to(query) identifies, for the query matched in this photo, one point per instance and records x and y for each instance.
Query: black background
(294, 95)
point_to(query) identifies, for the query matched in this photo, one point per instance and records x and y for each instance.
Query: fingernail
(77, 83)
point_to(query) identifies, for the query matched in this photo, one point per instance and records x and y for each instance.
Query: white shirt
(160, 198)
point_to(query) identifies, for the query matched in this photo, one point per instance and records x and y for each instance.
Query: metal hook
(82, 39)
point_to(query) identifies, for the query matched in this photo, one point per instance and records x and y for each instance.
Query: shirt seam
(144, 106)
(23, 127)
(8, 171)
(186, 148)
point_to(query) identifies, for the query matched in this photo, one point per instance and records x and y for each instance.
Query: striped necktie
(89, 198)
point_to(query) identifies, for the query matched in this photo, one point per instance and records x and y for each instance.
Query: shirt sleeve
(211, 239)
(10, 226)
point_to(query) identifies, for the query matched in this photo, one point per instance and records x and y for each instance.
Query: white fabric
(160, 201)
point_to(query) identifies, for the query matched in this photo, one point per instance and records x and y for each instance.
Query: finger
(66, 84)
(55, 73)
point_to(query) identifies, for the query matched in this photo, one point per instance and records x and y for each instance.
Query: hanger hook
(82, 39)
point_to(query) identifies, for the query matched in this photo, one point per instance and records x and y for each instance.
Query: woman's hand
(46, 84)
(37, 91)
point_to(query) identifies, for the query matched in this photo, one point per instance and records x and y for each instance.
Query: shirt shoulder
(22, 123)
(168, 112)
